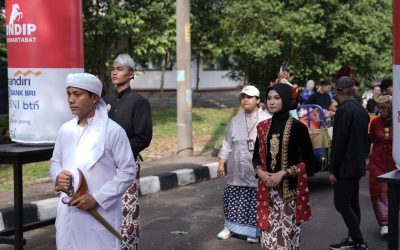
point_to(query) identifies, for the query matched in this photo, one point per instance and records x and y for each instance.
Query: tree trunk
(104, 78)
(197, 71)
(164, 66)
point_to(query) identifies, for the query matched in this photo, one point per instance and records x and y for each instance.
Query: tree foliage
(144, 29)
(315, 37)
(3, 63)
(3, 49)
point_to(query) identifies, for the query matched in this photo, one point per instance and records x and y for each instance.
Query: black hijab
(285, 92)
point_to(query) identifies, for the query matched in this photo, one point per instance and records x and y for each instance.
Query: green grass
(214, 122)
(209, 127)
(206, 122)
(31, 173)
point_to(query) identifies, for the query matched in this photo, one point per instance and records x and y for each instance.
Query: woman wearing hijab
(98, 147)
(381, 161)
(240, 202)
(282, 151)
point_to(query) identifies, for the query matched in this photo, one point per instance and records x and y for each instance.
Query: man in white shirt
(100, 148)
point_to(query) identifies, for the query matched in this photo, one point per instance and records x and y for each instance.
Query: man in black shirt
(133, 113)
(321, 97)
(347, 163)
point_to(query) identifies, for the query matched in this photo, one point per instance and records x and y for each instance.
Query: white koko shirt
(112, 172)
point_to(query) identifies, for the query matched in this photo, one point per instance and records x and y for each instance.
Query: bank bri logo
(19, 32)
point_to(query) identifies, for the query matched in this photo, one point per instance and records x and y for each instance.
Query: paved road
(196, 211)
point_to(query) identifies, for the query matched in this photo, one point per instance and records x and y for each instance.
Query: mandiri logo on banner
(16, 30)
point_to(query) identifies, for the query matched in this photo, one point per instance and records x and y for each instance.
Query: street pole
(183, 75)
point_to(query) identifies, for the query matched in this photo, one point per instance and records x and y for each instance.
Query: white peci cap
(250, 91)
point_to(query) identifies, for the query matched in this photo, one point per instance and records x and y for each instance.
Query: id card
(250, 145)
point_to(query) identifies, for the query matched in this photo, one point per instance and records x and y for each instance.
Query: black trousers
(346, 199)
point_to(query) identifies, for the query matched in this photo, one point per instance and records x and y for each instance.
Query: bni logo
(18, 29)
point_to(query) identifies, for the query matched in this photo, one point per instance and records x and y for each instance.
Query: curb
(47, 209)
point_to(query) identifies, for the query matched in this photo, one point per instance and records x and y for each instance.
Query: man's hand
(86, 202)
(64, 180)
(332, 179)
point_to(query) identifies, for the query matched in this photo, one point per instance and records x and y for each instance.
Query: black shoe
(362, 246)
(343, 244)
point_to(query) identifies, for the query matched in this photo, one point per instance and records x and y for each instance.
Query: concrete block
(30, 215)
(2, 228)
(168, 181)
(149, 185)
(213, 167)
(47, 208)
(185, 176)
(201, 173)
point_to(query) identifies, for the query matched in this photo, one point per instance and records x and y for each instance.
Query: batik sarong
(130, 217)
(283, 233)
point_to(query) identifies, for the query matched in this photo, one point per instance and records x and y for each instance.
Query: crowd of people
(271, 202)
(267, 151)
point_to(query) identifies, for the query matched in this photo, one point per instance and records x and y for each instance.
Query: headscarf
(285, 92)
(125, 60)
(93, 146)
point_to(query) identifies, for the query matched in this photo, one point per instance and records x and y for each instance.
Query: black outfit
(133, 113)
(323, 100)
(285, 144)
(299, 146)
(348, 154)
(372, 106)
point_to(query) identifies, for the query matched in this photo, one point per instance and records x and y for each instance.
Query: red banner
(44, 33)
(44, 45)
(396, 81)
(396, 32)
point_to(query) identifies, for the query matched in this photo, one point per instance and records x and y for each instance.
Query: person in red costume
(282, 152)
(381, 161)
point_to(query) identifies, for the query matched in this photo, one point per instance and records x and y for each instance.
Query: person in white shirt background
(240, 192)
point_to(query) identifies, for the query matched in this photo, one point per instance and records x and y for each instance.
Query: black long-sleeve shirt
(133, 113)
(350, 140)
(299, 148)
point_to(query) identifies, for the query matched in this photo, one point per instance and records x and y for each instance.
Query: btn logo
(19, 32)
